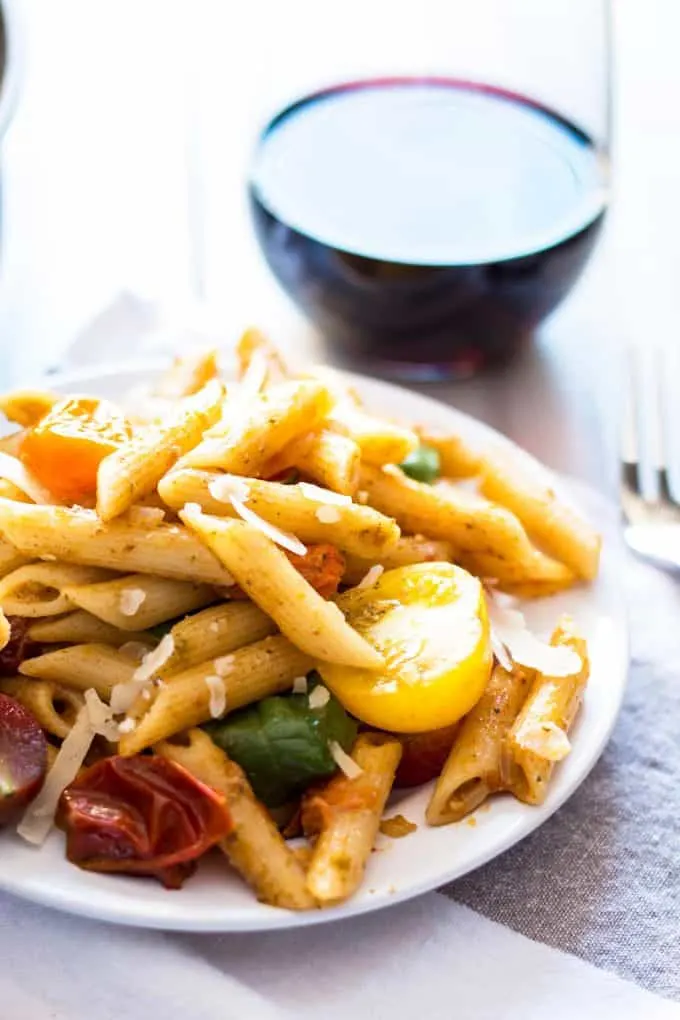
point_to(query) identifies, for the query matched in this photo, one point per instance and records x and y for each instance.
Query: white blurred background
(134, 122)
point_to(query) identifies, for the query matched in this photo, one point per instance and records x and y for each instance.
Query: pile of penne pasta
(205, 515)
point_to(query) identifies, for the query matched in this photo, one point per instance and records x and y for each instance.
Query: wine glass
(428, 180)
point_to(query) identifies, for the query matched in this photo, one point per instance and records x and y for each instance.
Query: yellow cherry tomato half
(430, 622)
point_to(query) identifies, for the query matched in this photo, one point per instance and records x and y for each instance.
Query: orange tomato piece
(65, 448)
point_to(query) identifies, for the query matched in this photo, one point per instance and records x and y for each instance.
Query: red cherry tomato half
(23, 757)
(424, 755)
(19, 647)
(141, 815)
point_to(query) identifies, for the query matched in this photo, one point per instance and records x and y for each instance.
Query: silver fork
(650, 475)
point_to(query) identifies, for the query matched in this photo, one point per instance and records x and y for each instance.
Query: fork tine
(669, 397)
(643, 390)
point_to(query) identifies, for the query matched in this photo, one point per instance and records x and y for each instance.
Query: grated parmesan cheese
(319, 697)
(545, 739)
(225, 488)
(344, 762)
(372, 576)
(49, 557)
(326, 496)
(135, 650)
(327, 515)
(223, 665)
(192, 509)
(127, 725)
(131, 600)
(282, 538)
(14, 471)
(93, 718)
(300, 685)
(214, 627)
(218, 696)
(123, 696)
(525, 648)
(157, 658)
(146, 516)
(500, 652)
(101, 715)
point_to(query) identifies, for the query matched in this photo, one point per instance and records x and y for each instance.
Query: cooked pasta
(272, 582)
(259, 606)
(354, 528)
(78, 536)
(487, 539)
(139, 601)
(82, 666)
(256, 671)
(134, 470)
(80, 628)
(39, 589)
(347, 816)
(473, 768)
(255, 846)
(538, 739)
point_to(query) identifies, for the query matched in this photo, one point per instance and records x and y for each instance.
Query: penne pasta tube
(133, 470)
(215, 632)
(187, 374)
(272, 582)
(81, 628)
(328, 457)
(139, 601)
(408, 549)
(354, 528)
(488, 540)
(473, 768)
(346, 813)
(539, 736)
(253, 343)
(10, 558)
(78, 536)
(380, 442)
(254, 847)
(457, 458)
(256, 671)
(54, 706)
(39, 589)
(27, 407)
(517, 482)
(82, 666)
(243, 443)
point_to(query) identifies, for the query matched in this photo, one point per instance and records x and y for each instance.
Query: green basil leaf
(282, 744)
(423, 465)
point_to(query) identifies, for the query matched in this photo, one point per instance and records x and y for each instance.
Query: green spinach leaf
(282, 744)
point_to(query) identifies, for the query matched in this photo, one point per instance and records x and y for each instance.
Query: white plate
(214, 899)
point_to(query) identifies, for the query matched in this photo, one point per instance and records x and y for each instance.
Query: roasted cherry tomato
(66, 447)
(23, 757)
(19, 646)
(141, 815)
(429, 621)
(323, 567)
(423, 755)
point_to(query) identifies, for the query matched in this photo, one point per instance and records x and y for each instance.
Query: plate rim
(277, 919)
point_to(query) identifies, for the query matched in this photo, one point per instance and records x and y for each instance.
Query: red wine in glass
(425, 225)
